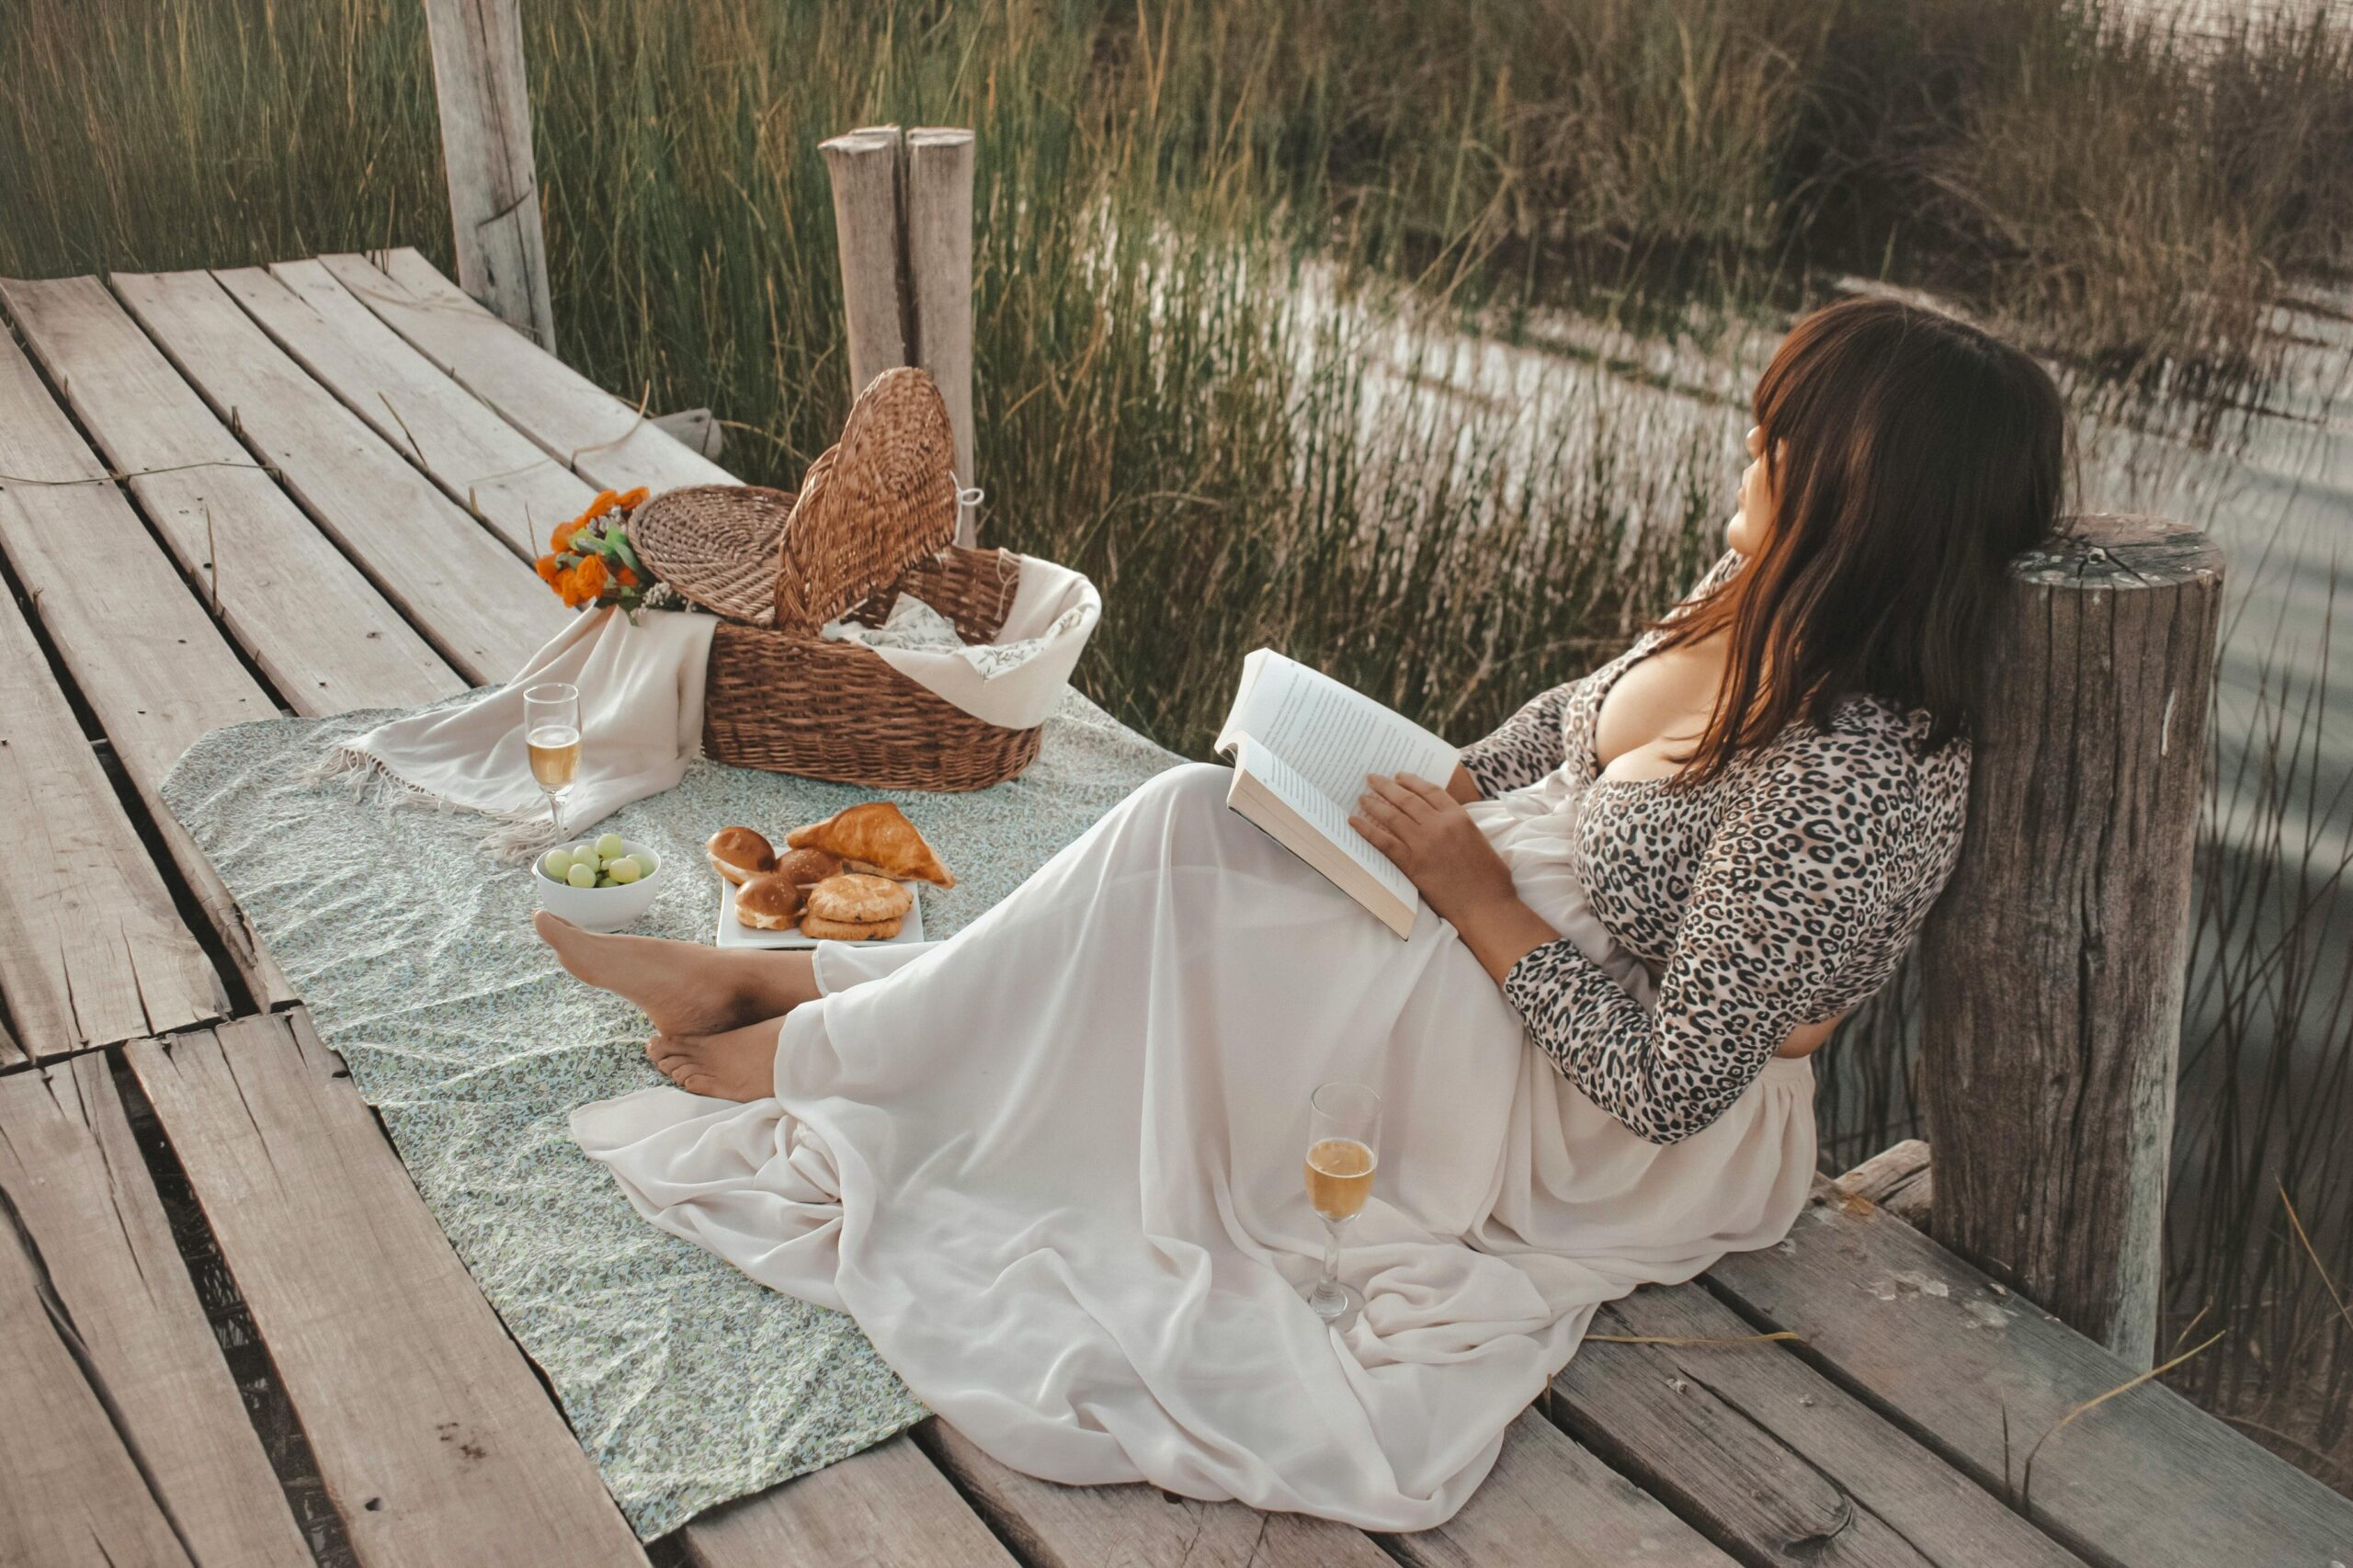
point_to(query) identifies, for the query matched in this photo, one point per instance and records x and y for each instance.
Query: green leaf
(628, 555)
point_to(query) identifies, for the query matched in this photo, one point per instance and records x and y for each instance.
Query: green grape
(557, 863)
(625, 870)
(581, 877)
(608, 846)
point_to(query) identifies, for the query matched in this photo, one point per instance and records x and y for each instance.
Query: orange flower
(625, 577)
(549, 569)
(590, 578)
(632, 500)
(560, 540)
(605, 502)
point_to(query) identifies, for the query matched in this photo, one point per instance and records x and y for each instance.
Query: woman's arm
(1772, 921)
(1776, 924)
(1522, 749)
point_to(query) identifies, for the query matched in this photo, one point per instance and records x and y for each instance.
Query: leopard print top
(1781, 893)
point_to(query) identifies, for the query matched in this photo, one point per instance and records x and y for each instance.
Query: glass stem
(1331, 1283)
(555, 812)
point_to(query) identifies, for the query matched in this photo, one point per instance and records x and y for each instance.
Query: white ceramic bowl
(601, 909)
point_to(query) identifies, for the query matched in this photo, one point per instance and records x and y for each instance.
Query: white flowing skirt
(1053, 1166)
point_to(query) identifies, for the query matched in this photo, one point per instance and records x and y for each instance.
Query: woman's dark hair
(1910, 456)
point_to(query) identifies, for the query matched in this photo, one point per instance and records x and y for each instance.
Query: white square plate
(734, 933)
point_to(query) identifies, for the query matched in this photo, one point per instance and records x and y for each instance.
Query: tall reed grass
(1222, 247)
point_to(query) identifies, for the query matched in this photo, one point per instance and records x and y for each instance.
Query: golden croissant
(876, 834)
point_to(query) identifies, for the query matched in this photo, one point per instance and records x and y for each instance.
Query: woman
(1052, 1164)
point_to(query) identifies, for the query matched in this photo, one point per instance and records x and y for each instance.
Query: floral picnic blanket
(687, 1383)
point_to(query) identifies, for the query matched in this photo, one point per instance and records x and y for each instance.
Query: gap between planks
(92, 950)
(127, 638)
(146, 1452)
(327, 640)
(589, 430)
(431, 1429)
(440, 568)
(1976, 1374)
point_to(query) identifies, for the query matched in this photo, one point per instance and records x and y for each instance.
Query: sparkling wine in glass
(551, 731)
(1343, 1148)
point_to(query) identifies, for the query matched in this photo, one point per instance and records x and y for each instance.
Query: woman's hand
(1425, 830)
(1433, 841)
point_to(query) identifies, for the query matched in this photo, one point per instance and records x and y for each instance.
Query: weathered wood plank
(1549, 1501)
(477, 458)
(91, 950)
(474, 599)
(432, 1433)
(888, 1505)
(1897, 1178)
(72, 1497)
(2050, 1104)
(484, 100)
(1079, 1527)
(77, 1189)
(1784, 1466)
(594, 433)
(1977, 1374)
(288, 596)
(139, 648)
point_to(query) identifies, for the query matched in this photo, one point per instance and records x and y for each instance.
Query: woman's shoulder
(1871, 767)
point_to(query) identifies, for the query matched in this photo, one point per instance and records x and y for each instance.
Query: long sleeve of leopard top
(1524, 748)
(1786, 925)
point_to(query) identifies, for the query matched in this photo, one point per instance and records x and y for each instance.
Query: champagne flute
(1343, 1147)
(551, 731)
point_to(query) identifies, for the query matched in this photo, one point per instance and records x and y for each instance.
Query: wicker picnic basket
(874, 517)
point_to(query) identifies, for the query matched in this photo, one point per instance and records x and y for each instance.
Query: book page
(1329, 735)
(1327, 818)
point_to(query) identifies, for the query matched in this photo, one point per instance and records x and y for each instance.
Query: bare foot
(684, 988)
(737, 1065)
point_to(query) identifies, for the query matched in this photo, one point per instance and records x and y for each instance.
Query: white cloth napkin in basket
(642, 704)
(1013, 682)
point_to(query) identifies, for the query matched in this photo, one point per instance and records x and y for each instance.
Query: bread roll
(769, 903)
(808, 867)
(736, 853)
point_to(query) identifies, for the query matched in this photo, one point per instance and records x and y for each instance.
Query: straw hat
(716, 544)
(881, 500)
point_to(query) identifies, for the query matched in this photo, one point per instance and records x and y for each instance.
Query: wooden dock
(313, 486)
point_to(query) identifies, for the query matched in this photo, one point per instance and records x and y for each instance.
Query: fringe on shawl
(515, 835)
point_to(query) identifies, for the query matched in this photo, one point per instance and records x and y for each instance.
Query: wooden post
(486, 151)
(2052, 967)
(902, 224)
(939, 278)
(864, 166)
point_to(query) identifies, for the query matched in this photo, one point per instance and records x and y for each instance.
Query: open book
(1301, 744)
